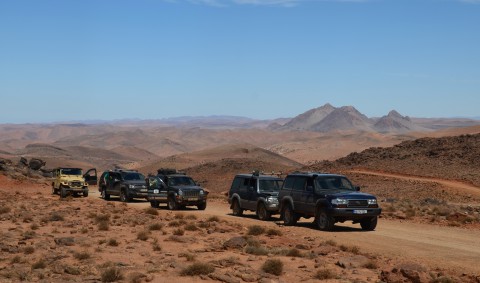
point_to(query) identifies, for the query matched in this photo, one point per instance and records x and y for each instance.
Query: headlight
(272, 200)
(131, 186)
(201, 192)
(339, 201)
(372, 201)
(180, 192)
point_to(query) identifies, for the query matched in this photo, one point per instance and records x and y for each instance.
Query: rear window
(289, 183)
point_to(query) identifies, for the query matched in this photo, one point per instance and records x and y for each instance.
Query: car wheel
(202, 206)
(104, 195)
(369, 224)
(324, 221)
(236, 209)
(172, 205)
(54, 192)
(289, 216)
(263, 213)
(123, 196)
(154, 204)
(85, 194)
(63, 192)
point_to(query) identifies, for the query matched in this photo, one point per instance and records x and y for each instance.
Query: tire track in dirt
(467, 188)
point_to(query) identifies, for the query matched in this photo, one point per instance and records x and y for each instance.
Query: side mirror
(357, 188)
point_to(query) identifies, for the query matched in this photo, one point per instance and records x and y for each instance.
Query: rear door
(298, 191)
(91, 176)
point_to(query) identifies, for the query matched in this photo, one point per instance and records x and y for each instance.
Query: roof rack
(273, 173)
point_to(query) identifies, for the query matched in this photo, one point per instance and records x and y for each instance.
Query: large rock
(36, 164)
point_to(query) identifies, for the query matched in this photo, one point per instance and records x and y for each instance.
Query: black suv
(329, 198)
(255, 192)
(126, 184)
(176, 189)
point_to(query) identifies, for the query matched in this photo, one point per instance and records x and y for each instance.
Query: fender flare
(235, 197)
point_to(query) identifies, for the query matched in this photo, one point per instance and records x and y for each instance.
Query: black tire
(290, 218)
(54, 191)
(262, 212)
(172, 204)
(202, 206)
(324, 221)
(369, 224)
(85, 194)
(63, 192)
(104, 195)
(124, 196)
(236, 209)
(155, 204)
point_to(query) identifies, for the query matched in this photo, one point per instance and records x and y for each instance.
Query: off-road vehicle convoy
(329, 198)
(72, 181)
(255, 192)
(175, 189)
(126, 184)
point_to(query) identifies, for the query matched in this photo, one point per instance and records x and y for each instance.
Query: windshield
(334, 183)
(72, 171)
(270, 185)
(181, 181)
(133, 177)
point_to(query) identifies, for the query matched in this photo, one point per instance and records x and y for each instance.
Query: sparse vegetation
(84, 255)
(39, 264)
(5, 209)
(273, 266)
(56, 216)
(213, 219)
(155, 226)
(325, 274)
(294, 253)
(256, 250)
(151, 211)
(112, 242)
(156, 246)
(143, 235)
(111, 274)
(178, 232)
(29, 250)
(191, 227)
(273, 232)
(255, 230)
(198, 268)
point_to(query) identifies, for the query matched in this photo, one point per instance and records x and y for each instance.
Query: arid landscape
(424, 172)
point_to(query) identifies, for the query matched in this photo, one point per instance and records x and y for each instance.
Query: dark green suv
(329, 198)
(126, 184)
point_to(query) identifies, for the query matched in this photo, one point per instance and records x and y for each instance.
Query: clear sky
(150, 59)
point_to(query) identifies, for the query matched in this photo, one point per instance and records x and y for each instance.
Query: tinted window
(334, 183)
(299, 184)
(134, 176)
(270, 185)
(180, 181)
(237, 182)
(250, 182)
(288, 183)
(71, 171)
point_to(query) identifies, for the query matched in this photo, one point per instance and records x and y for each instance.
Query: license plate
(192, 198)
(360, 212)
(156, 191)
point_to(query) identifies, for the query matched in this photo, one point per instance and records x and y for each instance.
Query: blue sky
(150, 59)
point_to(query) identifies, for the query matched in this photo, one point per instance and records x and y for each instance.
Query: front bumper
(342, 214)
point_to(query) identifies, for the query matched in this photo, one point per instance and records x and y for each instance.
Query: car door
(91, 177)
(114, 183)
(298, 193)
(308, 197)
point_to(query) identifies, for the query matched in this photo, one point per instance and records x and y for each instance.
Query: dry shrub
(188, 256)
(273, 232)
(40, 264)
(177, 223)
(151, 211)
(113, 243)
(136, 277)
(103, 226)
(255, 230)
(55, 216)
(29, 235)
(371, 264)
(204, 224)
(102, 218)
(142, 235)
(191, 217)
(71, 270)
(324, 274)
(273, 266)
(34, 226)
(155, 226)
(111, 274)
(5, 209)
(178, 232)
(179, 216)
(256, 250)
(84, 230)
(16, 259)
(294, 253)
(351, 249)
(198, 268)
(82, 255)
(329, 243)
(156, 246)
(213, 219)
(191, 227)
(29, 250)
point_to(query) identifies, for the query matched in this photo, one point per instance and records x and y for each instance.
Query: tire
(85, 194)
(63, 192)
(236, 209)
(124, 196)
(104, 195)
(172, 204)
(202, 206)
(324, 221)
(54, 191)
(369, 224)
(154, 204)
(290, 218)
(262, 212)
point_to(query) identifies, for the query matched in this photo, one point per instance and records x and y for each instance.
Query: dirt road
(434, 246)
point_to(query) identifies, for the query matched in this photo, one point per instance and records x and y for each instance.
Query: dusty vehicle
(330, 198)
(127, 184)
(72, 181)
(175, 189)
(255, 192)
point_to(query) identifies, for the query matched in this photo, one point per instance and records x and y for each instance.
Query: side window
(299, 184)
(237, 182)
(288, 183)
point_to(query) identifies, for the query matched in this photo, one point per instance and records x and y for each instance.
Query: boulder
(36, 164)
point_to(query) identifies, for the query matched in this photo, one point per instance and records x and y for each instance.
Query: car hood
(73, 178)
(349, 194)
(188, 188)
